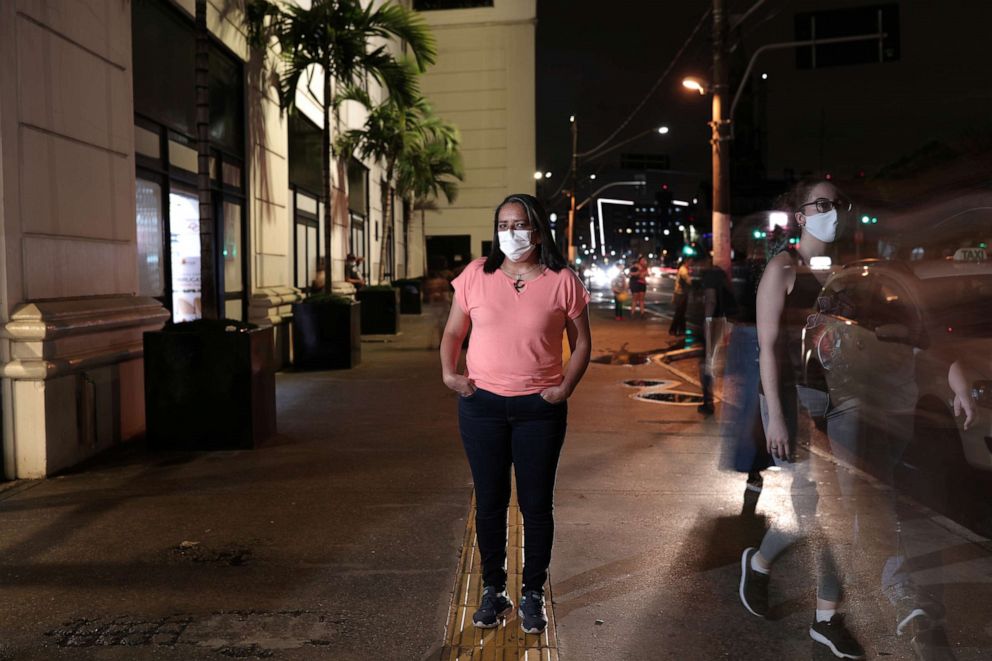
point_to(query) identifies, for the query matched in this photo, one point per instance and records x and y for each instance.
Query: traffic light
(664, 197)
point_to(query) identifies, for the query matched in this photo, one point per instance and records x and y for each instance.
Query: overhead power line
(654, 88)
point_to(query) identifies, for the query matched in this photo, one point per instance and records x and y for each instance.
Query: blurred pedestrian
(638, 285)
(787, 293)
(621, 294)
(715, 290)
(351, 273)
(512, 405)
(744, 447)
(680, 298)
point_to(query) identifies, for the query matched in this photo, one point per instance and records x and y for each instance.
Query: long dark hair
(550, 255)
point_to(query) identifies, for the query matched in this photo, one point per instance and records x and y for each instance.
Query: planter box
(411, 296)
(209, 389)
(326, 336)
(380, 311)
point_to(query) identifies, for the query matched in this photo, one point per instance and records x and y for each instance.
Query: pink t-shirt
(516, 342)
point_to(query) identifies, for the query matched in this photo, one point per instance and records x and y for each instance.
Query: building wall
(71, 346)
(484, 84)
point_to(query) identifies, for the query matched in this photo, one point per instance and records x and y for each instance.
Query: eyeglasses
(824, 205)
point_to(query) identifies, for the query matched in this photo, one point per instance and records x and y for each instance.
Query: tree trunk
(325, 164)
(423, 234)
(387, 229)
(209, 299)
(406, 238)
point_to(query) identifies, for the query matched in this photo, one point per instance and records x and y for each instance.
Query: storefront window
(151, 281)
(184, 244)
(232, 248)
(358, 205)
(167, 164)
(307, 241)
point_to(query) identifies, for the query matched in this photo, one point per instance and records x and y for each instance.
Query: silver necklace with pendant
(519, 284)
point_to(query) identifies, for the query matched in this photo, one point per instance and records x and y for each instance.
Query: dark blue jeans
(526, 433)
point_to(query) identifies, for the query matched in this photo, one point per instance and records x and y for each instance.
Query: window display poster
(184, 217)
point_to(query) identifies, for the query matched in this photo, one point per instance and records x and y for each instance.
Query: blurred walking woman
(512, 408)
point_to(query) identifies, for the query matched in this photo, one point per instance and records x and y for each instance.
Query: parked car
(883, 337)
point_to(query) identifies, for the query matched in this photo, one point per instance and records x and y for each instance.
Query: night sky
(599, 64)
(598, 60)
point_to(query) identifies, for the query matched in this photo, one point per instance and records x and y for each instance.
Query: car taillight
(982, 392)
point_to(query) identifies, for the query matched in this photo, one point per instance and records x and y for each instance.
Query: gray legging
(845, 433)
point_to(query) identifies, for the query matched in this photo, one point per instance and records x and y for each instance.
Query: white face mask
(516, 244)
(823, 225)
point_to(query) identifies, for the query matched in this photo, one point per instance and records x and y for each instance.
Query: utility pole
(572, 186)
(720, 141)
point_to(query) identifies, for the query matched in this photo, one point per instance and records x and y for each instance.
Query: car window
(892, 304)
(961, 305)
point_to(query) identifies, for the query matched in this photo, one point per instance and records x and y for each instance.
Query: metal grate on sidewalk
(463, 642)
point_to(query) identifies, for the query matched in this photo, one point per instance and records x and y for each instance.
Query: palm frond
(395, 20)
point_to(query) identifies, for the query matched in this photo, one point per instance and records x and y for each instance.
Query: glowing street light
(695, 84)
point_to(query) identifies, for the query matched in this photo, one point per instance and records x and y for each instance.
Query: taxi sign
(971, 255)
(820, 263)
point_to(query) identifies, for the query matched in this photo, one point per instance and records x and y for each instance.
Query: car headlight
(982, 392)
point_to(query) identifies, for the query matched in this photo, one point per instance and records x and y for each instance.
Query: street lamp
(722, 120)
(696, 85)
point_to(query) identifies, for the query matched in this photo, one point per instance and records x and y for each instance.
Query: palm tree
(333, 36)
(392, 132)
(428, 169)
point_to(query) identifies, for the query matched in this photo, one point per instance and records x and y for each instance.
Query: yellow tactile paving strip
(463, 642)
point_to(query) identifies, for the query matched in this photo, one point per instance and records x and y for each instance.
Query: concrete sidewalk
(340, 538)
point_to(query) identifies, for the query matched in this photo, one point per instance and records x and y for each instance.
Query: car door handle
(859, 344)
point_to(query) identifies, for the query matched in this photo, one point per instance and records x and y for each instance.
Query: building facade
(484, 83)
(99, 214)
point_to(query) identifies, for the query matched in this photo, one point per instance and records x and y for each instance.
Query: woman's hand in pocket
(460, 383)
(555, 394)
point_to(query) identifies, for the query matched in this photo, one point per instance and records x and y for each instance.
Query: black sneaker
(495, 606)
(754, 586)
(533, 618)
(835, 636)
(914, 606)
(930, 642)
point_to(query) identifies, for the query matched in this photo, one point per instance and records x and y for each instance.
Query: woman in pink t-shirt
(512, 409)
